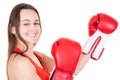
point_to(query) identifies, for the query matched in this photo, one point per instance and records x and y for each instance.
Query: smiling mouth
(32, 35)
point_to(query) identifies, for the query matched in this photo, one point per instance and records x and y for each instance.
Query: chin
(31, 42)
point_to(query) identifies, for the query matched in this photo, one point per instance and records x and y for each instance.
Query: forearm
(81, 63)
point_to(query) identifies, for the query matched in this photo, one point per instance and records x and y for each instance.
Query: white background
(69, 18)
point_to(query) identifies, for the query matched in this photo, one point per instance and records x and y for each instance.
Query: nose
(32, 27)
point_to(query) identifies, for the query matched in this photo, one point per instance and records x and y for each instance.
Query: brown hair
(14, 21)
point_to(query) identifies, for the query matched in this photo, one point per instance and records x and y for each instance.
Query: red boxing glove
(103, 23)
(66, 54)
(100, 28)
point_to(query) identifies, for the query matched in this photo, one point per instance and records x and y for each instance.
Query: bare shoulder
(17, 61)
(20, 67)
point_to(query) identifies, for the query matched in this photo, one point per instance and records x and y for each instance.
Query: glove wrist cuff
(63, 75)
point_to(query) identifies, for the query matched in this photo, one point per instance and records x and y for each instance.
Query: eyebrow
(29, 20)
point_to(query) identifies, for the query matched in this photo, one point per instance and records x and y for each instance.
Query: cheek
(22, 31)
(39, 30)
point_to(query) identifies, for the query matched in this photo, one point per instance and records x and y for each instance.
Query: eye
(36, 23)
(26, 24)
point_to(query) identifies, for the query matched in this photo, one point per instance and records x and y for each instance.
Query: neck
(22, 46)
(30, 49)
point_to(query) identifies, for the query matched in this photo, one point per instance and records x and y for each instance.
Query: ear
(13, 30)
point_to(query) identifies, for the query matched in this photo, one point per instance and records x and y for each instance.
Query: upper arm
(49, 62)
(21, 69)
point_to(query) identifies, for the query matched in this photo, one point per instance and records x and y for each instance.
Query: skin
(81, 63)
(19, 67)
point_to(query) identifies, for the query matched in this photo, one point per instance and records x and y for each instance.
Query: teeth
(31, 35)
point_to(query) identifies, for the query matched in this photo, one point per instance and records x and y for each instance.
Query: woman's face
(29, 26)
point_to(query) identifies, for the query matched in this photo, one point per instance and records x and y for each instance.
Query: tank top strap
(20, 51)
(42, 72)
(40, 59)
(17, 50)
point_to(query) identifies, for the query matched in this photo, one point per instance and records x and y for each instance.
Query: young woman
(24, 29)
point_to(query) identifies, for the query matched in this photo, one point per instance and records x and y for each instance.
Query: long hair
(14, 21)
